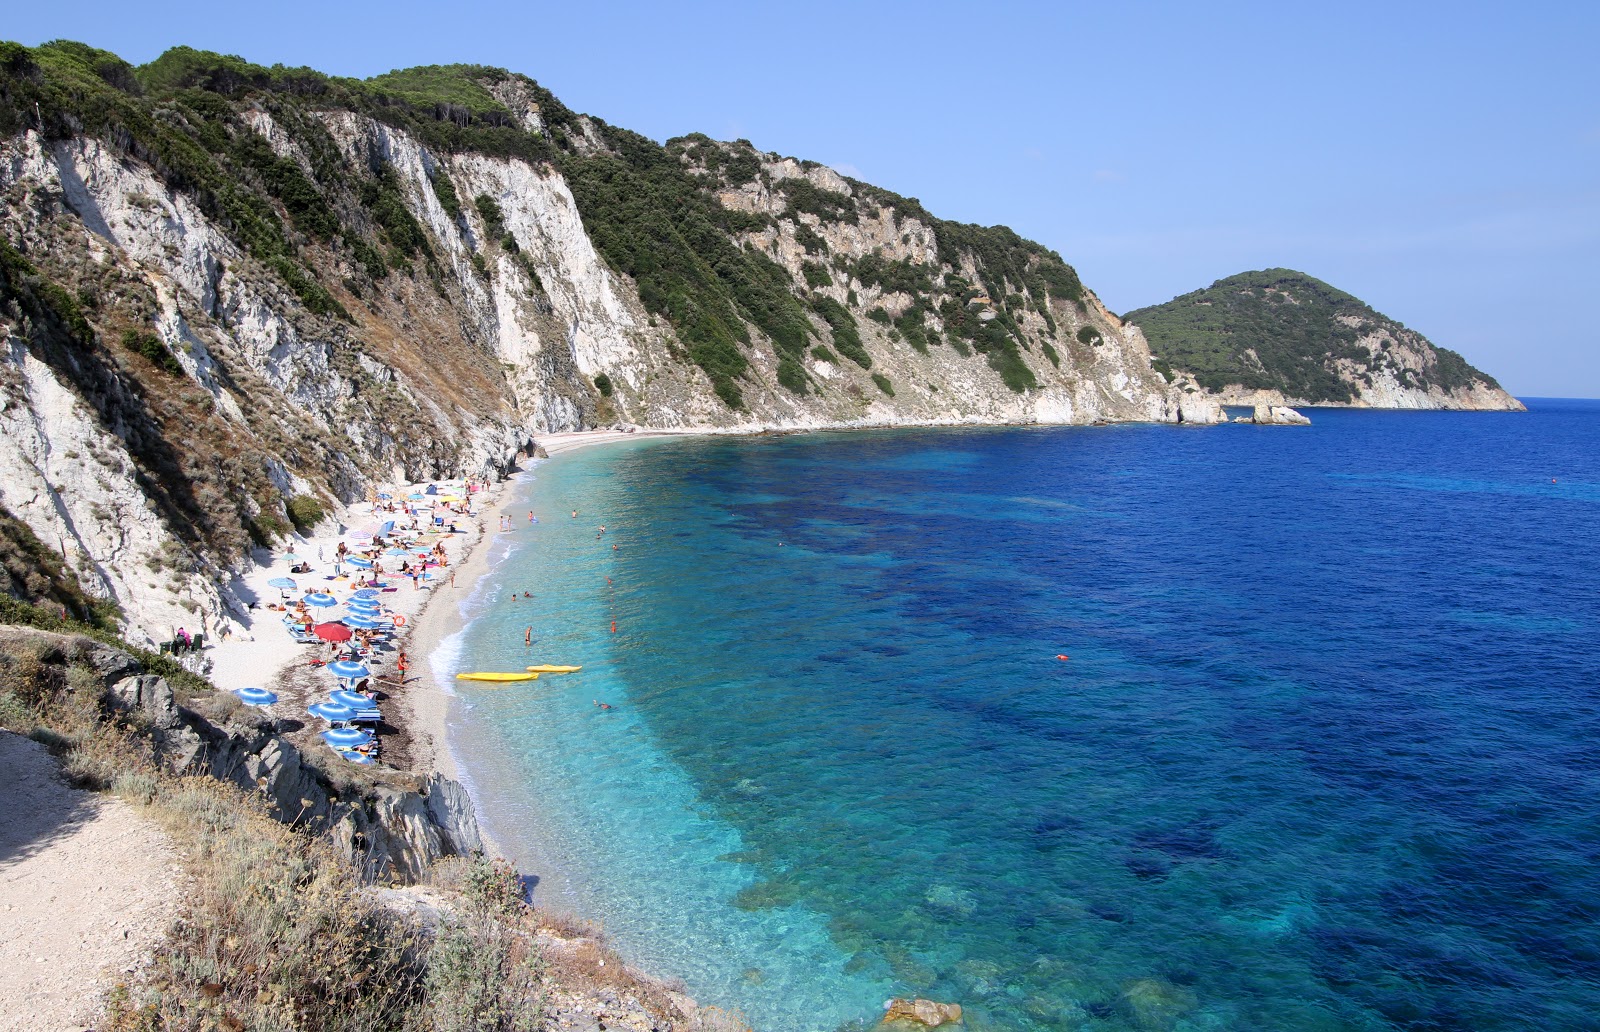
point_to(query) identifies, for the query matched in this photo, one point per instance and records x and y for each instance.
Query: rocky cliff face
(392, 832)
(1279, 337)
(232, 298)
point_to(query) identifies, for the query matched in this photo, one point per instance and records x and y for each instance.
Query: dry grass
(276, 932)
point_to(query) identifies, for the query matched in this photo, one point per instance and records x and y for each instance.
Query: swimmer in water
(527, 638)
(602, 705)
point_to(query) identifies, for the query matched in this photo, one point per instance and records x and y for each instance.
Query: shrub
(815, 275)
(822, 354)
(846, 336)
(807, 238)
(494, 220)
(305, 511)
(445, 190)
(602, 383)
(154, 349)
(792, 375)
(883, 383)
(1088, 335)
(806, 197)
(1014, 373)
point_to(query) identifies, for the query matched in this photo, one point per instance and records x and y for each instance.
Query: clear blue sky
(1439, 160)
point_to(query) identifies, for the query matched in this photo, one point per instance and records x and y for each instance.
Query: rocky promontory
(1278, 337)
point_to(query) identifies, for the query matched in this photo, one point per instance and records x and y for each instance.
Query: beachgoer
(401, 665)
(574, 513)
(527, 639)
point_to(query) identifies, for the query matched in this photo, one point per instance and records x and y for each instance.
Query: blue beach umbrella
(370, 612)
(321, 599)
(365, 593)
(291, 558)
(358, 758)
(286, 583)
(330, 712)
(395, 551)
(362, 623)
(354, 700)
(348, 670)
(359, 563)
(256, 696)
(346, 737)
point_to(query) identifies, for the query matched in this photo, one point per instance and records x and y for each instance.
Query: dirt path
(87, 887)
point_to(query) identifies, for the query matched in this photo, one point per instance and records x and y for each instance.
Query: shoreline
(261, 654)
(429, 710)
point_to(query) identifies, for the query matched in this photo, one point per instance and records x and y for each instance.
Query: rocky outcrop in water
(927, 1013)
(1277, 415)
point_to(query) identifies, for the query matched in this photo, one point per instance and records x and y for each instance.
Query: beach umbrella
(362, 607)
(346, 737)
(362, 623)
(348, 670)
(331, 631)
(361, 759)
(331, 711)
(433, 489)
(385, 494)
(416, 496)
(286, 583)
(364, 593)
(354, 700)
(395, 551)
(291, 558)
(321, 599)
(359, 563)
(256, 696)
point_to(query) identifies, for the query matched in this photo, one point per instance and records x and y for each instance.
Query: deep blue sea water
(1325, 755)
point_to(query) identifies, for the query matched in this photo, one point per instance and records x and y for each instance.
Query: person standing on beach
(400, 665)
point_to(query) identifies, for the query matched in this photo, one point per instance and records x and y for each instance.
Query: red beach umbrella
(331, 631)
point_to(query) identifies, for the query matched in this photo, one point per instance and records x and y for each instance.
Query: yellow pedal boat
(497, 676)
(551, 668)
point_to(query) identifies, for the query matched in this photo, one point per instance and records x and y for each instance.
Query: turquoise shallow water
(1321, 757)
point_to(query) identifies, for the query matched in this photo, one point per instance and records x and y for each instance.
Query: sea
(1114, 728)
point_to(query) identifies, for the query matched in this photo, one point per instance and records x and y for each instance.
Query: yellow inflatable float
(551, 668)
(497, 676)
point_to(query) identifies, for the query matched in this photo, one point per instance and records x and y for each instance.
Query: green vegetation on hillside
(650, 209)
(1282, 330)
(651, 220)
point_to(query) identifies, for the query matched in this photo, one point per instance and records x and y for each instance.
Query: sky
(1440, 161)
